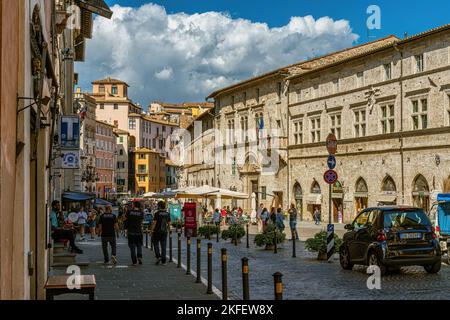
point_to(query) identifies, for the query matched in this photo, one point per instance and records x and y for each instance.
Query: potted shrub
(267, 238)
(319, 244)
(234, 232)
(208, 230)
(178, 224)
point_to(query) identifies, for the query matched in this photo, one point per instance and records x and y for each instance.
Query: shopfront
(361, 196)
(421, 193)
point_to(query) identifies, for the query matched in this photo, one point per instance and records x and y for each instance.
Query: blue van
(440, 217)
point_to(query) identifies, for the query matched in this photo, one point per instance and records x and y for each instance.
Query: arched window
(420, 184)
(421, 193)
(315, 187)
(388, 184)
(361, 186)
(298, 194)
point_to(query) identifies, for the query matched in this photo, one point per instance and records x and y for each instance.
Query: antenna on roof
(406, 35)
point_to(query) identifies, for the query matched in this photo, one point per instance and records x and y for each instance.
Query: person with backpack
(160, 228)
(108, 227)
(133, 220)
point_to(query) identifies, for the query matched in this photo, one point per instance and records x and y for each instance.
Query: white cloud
(181, 57)
(164, 74)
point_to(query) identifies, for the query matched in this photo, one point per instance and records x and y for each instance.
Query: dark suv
(391, 237)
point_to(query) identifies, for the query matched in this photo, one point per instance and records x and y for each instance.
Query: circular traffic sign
(331, 143)
(330, 176)
(331, 162)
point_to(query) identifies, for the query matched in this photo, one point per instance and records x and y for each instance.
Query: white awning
(313, 198)
(387, 198)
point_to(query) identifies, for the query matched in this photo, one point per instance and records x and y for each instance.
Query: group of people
(276, 217)
(107, 224)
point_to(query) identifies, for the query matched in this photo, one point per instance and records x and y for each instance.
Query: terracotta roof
(120, 131)
(150, 119)
(105, 123)
(145, 150)
(171, 163)
(308, 65)
(109, 80)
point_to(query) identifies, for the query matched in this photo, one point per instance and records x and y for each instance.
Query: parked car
(440, 218)
(391, 237)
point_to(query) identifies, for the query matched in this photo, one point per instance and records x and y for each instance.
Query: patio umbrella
(148, 195)
(211, 192)
(101, 202)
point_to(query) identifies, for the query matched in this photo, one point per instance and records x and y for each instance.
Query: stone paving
(304, 277)
(126, 282)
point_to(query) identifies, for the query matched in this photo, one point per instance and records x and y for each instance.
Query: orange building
(150, 171)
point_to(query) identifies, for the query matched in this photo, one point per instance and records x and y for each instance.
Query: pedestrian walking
(273, 216)
(160, 229)
(216, 217)
(82, 219)
(133, 220)
(91, 222)
(293, 221)
(316, 216)
(264, 218)
(259, 221)
(279, 220)
(108, 227)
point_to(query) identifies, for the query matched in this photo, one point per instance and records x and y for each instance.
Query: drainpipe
(401, 122)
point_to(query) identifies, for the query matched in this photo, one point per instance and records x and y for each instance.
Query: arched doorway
(337, 196)
(421, 193)
(314, 200)
(298, 196)
(361, 196)
(388, 194)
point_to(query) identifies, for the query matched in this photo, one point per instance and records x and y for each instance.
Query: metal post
(248, 246)
(224, 274)
(209, 231)
(293, 248)
(245, 286)
(209, 289)
(170, 246)
(199, 250)
(188, 255)
(218, 232)
(329, 203)
(179, 250)
(278, 285)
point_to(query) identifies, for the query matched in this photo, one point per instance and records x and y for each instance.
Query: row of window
(419, 120)
(316, 91)
(102, 106)
(114, 89)
(105, 145)
(100, 130)
(104, 163)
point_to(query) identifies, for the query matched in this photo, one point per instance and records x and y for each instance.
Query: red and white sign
(331, 143)
(190, 222)
(330, 176)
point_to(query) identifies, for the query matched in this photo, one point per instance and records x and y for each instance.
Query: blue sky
(182, 50)
(398, 16)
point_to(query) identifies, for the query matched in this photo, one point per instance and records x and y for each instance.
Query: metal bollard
(209, 231)
(170, 246)
(179, 250)
(275, 248)
(146, 238)
(199, 250)
(224, 274)
(188, 255)
(248, 246)
(209, 289)
(278, 285)
(218, 232)
(245, 286)
(293, 248)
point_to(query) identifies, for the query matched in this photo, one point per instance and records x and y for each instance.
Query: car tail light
(434, 231)
(381, 236)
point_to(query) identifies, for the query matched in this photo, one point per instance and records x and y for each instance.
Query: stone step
(81, 262)
(64, 257)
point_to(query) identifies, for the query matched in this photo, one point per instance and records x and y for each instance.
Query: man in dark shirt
(134, 219)
(160, 229)
(108, 227)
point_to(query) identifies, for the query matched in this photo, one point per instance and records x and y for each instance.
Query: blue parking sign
(331, 162)
(70, 132)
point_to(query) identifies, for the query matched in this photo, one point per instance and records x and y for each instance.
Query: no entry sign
(331, 143)
(330, 176)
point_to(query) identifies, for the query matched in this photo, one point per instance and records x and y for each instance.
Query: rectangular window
(298, 132)
(387, 119)
(315, 129)
(387, 71)
(116, 123)
(257, 95)
(419, 114)
(141, 156)
(419, 63)
(142, 169)
(263, 193)
(279, 91)
(360, 123)
(116, 106)
(132, 124)
(141, 178)
(360, 79)
(102, 106)
(163, 128)
(114, 90)
(336, 125)
(101, 88)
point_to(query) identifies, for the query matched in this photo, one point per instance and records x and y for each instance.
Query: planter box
(322, 256)
(269, 247)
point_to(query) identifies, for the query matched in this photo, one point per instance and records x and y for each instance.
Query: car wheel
(374, 261)
(433, 268)
(344, 259)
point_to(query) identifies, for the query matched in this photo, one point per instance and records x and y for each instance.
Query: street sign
(331, 162)
(71, 159)
(330, 176)
(331, 143)
(70, 132)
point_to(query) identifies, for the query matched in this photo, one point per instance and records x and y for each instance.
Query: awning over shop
(387, 198)
(361, 195)
(313, 198)
(96, 6)
(337, 195)
(78, 196)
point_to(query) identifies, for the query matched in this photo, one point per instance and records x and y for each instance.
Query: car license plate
(443, 245)
(412, 235)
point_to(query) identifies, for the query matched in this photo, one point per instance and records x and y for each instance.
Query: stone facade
(105, 156)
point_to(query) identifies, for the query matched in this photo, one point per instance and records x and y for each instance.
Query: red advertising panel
(190, 222)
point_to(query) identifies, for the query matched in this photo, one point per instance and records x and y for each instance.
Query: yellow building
(150, 171)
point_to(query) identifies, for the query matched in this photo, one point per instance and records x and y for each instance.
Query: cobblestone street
(304, 277)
